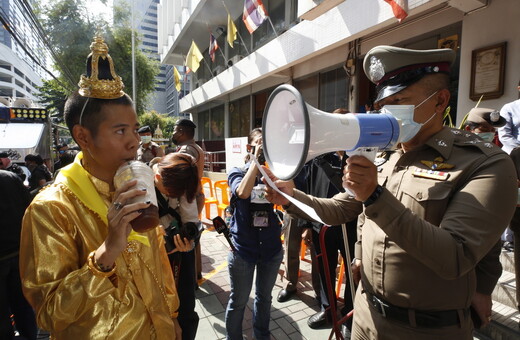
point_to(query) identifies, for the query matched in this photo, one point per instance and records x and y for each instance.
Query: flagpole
(209, 68)
(239, 35)
(242, 40)
(269, 18)
(223, 56)
(184, 77)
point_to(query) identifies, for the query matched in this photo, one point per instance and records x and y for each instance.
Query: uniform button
(378, 262)
(419, 195)
(260, 242)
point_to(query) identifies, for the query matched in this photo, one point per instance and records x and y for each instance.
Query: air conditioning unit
(200, 82)
(235, 60)
(218, 69)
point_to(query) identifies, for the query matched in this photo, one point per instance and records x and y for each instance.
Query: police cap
(482, 115)
(393, 69)
(144, 129)
(186, 122)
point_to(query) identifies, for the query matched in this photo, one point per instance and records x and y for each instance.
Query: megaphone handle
(368, 152)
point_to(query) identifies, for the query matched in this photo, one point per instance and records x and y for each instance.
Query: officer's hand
(482, 305)
(360, 177)
(285, 186)
(356, 271)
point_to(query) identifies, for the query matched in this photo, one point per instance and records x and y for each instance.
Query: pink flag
(254, 14)
(400, 8)
(213, 47)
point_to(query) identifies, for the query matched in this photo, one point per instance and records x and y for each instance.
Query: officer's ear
(443, 99)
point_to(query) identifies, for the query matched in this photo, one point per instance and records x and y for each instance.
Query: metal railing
(214, 160)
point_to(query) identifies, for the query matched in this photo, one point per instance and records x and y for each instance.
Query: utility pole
(133, 59)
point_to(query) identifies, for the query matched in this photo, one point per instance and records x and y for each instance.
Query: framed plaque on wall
(487, 72)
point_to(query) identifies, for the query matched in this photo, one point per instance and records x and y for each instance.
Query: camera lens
(190, 231)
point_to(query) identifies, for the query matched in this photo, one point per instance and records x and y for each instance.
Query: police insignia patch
(437, 164)
(377, 71)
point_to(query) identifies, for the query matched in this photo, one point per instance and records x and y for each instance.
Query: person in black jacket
(13, 202)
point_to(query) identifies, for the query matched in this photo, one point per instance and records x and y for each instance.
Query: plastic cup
(144, 175)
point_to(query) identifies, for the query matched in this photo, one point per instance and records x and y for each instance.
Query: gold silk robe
(59, 231)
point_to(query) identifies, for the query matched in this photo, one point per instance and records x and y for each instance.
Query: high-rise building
(145, 22)
(20, 55)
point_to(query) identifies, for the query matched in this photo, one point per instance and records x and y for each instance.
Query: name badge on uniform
(431, 174)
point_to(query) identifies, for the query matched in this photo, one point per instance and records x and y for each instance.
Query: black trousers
(186, 283)
(13, 302)
(333, 243)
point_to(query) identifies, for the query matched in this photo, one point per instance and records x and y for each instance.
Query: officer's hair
(189, 131)
(435, 82)
(91, 108)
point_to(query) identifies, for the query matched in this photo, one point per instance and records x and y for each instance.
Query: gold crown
(100, 65)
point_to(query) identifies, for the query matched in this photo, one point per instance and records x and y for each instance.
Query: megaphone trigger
(369, 153)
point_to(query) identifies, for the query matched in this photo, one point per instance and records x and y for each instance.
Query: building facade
(318, 46)
(20, 75)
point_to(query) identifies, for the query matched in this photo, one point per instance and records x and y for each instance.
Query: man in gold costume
(86, 273)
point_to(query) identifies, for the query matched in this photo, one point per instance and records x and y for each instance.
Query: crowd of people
(424, 225)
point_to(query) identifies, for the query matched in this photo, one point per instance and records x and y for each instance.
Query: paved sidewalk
(288, 319)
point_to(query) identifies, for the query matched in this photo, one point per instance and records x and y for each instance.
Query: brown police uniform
(147, 154)
(421, 239)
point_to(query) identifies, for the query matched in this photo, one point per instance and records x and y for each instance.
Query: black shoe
(317, 320)
(345, 332)
(285, 295)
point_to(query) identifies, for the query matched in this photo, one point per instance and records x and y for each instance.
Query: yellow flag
(194, 57)
(231, 31)
(177, 79)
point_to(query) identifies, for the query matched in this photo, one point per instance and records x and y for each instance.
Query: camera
(261, 157)
(188, 230)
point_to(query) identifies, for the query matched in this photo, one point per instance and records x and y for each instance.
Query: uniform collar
(442, 142)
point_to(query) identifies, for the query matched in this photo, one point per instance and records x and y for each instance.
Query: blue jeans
(241, 275)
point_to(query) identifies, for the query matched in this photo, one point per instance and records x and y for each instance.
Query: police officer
(484, 123)
(431, 211)
(148, 150)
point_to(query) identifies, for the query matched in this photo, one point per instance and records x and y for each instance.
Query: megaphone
(294, 132)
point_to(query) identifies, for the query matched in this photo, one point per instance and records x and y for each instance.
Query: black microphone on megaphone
(294, 132)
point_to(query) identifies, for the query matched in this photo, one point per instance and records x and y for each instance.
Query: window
(333, 90)
(216, 124)
(239, 117)
(308, 88)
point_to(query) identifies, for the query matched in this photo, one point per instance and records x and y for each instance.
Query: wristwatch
(375, 195)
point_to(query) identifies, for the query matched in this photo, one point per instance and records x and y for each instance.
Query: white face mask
(146, 139)
(405, 114)
(486, 136)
